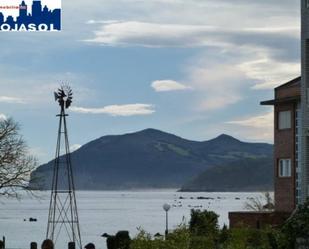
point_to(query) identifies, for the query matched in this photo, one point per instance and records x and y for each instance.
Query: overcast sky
(195, 68)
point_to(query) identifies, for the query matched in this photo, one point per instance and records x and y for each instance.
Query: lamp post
(166, 208)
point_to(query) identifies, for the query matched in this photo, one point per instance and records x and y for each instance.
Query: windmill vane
(64, 96)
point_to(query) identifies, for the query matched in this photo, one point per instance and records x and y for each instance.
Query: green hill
(243, 175)
(149, 159)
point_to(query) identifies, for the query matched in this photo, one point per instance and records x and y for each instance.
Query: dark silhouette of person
(90, 246)
(47, 244)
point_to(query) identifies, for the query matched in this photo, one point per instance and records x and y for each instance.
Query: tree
(296, 228)
(177, 239)
(203, 232)
(15, 162)
(264, 203)
(204, 223)
(204, 229)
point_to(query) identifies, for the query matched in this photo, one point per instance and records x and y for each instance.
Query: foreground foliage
(296, 228)
(203, 232)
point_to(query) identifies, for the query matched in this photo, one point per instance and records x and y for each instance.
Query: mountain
(248, 174)
(149, 159)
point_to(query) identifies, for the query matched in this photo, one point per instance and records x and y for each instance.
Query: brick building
(287, 168)
(287, 134)
(291, 142)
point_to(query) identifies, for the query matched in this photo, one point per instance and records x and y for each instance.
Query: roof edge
(298, 79)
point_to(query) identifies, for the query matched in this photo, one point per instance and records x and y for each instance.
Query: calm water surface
(111, 211)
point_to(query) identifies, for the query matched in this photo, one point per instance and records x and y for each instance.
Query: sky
(194, 68)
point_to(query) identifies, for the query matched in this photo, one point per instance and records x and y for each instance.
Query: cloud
(168, 85)
(11, 100)
(219, 101)
(118, 110)
(214, 89)
(101, 21)
(234, 73)
(35, 93)
(75, 147)
(260, 55)
(258, 127)
(2, 117)
(37, 151)
(265, 120)
(269, 73)
(148, 34)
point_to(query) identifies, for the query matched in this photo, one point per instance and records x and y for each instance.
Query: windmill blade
(70, 92)
(60, 93)
(68, 103)
(56, 96)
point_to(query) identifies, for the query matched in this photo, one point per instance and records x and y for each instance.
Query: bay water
(110, 211)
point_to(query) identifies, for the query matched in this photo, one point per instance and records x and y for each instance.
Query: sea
(111, 211)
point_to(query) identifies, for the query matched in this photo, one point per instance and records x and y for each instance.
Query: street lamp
(166, 208)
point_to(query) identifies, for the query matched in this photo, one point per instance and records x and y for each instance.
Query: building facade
(287, 145)
(291, 141)
(287, 159)
(291, 133)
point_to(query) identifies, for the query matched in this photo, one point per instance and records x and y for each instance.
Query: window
(284, 167)
(284, 120)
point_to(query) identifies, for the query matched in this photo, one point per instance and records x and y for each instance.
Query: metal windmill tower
(63, 216)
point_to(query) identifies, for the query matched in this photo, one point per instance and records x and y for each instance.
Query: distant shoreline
(225, 191)
(166, 189)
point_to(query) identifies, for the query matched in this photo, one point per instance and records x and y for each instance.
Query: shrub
(204, 223)
(297, 227)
